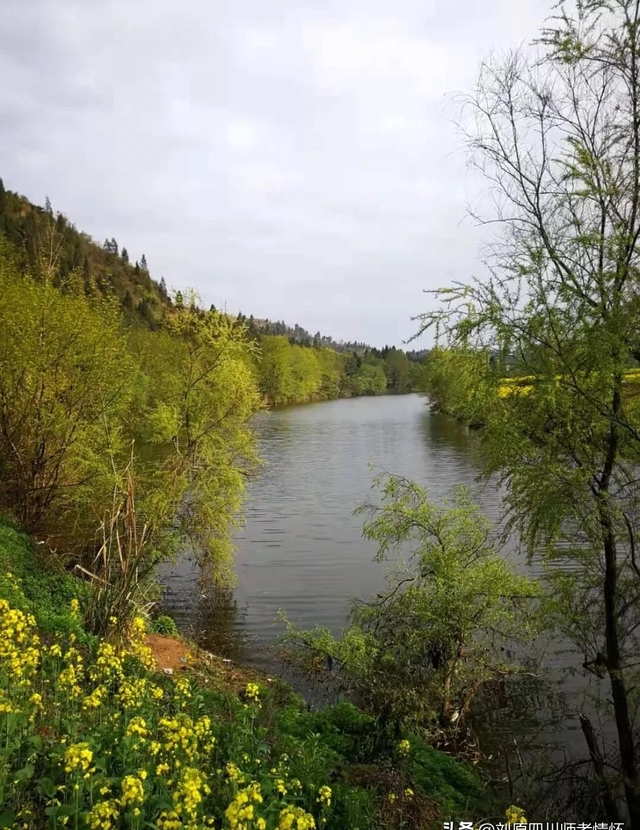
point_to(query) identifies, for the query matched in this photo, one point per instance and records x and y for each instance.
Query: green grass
(45, 589)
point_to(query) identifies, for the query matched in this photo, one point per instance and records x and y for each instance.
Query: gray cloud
(294, 160)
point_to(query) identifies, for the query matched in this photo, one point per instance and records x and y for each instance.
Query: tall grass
(121, 587)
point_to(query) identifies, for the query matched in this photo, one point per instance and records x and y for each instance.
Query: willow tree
(196, 446)
(556, 132)
(66, 381)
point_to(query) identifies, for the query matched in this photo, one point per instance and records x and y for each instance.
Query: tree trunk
(618, 690)
(619, 695)
(445, 706)
(608, 799)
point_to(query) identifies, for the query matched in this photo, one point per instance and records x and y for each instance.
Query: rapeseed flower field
(100, 740)
(93, 736)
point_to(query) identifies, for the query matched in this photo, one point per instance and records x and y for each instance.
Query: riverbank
(194, 743)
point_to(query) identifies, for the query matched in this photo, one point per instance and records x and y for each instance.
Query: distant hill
(50, 246)
(302, 337)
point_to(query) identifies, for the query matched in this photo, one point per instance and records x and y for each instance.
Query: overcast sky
(295, 160)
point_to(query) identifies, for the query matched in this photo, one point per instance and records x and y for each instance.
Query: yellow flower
(404, 747)
(291, 816)
(78, 757)
(69, 681)
(108, 664)
(183, 686)
(132, 791)
(132, 692)
(94, 700)
(6, 707)
(36, 701)
(324, 795)
(189, 793)
(138, 627)
(252, 691)
(179, 733)
(408, 793)
(19, 645)
(138, 727)
(103, 815)
(75, 608)
(515, 815)
(169, 821)
(242, 808)
(233, 772)
(392, 797)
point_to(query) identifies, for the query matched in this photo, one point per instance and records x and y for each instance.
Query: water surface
(302, 549)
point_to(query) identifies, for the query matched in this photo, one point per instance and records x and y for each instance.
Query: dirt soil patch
(173, 655)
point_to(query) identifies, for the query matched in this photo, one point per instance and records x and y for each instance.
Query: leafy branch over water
(418, 653)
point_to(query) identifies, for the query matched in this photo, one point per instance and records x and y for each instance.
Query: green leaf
(7, 818)
(47, 787)
(25, 773)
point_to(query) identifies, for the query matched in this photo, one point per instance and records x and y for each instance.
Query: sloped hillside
(48, 245)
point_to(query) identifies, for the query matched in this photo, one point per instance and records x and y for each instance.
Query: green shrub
(164, 625)
(451, 784)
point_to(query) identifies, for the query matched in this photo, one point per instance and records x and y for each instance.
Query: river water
(302, 549)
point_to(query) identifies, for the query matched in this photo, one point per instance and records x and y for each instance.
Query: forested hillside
(289, 364)
(48, 246)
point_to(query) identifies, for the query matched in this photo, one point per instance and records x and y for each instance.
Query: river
(302, 549)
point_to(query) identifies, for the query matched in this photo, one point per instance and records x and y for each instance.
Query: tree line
(291, 373)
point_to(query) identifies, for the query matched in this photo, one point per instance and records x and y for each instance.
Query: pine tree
(47, 206)
(3, 205)
(114, 247)
(125, 255)
(163, 287)
(127, 303)
(143, 263)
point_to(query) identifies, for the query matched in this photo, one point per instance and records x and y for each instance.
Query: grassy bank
(93, 735)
